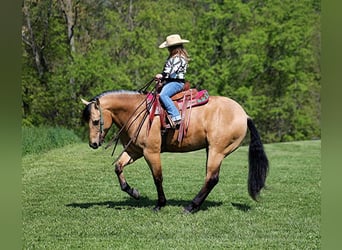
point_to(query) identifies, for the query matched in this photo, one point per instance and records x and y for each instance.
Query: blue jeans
(167, 91)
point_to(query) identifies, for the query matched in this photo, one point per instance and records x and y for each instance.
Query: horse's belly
(182, 148)
(192, 141)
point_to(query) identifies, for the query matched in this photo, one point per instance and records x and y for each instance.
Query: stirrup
(172, 124)
(175, 124)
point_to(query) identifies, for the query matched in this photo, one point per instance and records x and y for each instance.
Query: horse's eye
(96, 122)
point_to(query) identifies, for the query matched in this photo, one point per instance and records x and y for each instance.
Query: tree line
(265, 54)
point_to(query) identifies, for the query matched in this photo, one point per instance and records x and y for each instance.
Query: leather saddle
(184, 101)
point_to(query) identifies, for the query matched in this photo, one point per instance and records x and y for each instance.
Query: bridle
(128, 123)
(101, 130)
(101, 120)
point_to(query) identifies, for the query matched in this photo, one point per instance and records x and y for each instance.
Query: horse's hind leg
(124, 160)
(214, 161)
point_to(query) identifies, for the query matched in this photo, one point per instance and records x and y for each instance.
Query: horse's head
(99, 121)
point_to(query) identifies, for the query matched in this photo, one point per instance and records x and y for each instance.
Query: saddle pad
(200, 98)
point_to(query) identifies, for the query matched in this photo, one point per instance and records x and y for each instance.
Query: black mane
(86, 113)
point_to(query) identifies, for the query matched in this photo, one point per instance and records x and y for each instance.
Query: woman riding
(172, 78)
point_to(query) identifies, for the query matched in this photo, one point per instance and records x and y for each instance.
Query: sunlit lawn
(71, 199)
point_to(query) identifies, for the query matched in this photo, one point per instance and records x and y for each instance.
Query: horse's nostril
(93, 145)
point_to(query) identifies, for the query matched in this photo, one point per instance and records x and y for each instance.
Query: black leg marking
(202, 195)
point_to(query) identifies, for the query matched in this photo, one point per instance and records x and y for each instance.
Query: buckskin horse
(219, 126)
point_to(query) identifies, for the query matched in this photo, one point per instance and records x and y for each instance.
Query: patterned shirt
(175, 68)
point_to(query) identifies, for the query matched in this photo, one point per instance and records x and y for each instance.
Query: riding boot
(174, 124)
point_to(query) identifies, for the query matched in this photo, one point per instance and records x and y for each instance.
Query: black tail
(258, 162)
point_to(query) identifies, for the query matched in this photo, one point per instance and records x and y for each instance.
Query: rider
(172, 78)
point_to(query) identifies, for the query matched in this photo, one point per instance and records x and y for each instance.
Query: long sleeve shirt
(175, 68)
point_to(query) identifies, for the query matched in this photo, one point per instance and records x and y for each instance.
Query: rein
(117, 136)
(129, 122)
(146, 86)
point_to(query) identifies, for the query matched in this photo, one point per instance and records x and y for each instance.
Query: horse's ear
(85, 102)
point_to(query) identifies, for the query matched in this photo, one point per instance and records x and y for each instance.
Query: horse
(219, 126)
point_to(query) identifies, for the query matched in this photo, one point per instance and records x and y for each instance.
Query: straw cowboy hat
(172, 40)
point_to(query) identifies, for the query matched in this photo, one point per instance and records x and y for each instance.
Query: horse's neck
(122, 106)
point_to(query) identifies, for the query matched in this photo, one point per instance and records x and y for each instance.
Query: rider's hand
(159, 76)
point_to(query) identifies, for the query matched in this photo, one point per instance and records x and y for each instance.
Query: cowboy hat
(172, 40)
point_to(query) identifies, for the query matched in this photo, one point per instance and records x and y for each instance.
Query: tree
(264, 54)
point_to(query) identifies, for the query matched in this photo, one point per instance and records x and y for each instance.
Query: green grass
(71, 199)
(41, 139)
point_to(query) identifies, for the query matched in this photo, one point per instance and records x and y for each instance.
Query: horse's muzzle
(94, 145)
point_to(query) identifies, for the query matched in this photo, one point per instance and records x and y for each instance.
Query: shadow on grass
(143, 202)
(241, 207)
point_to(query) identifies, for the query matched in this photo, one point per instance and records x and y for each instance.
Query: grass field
(71, 199)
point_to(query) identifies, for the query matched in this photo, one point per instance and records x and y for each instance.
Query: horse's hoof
(135, 194)
(156, 209)
(159, 206)
(190, 209)
(186, 211)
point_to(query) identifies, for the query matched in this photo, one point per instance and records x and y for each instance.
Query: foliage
(42, 139)
(264, 54)
(71, 200)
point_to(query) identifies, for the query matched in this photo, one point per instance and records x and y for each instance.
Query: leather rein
(129, 122)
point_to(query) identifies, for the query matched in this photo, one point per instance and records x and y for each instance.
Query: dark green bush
(41, 139)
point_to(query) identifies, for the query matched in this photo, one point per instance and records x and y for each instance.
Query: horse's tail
(258, 162)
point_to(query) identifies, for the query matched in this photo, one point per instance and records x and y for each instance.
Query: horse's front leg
(123, 161)
(153, 160)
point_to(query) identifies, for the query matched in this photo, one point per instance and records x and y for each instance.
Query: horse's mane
(86, 110)
(111, 92)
